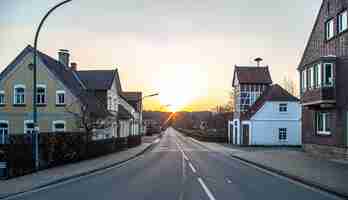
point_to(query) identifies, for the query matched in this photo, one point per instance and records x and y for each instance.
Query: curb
(79, 174)
(283, 173)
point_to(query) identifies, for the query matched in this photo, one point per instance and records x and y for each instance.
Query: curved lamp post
(35, 121)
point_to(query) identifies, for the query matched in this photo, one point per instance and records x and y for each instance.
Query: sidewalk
(324, 174)
(65, 172)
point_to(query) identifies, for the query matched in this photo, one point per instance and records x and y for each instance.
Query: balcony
(323, 97)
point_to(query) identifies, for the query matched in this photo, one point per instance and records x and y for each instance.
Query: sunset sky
(185, 50)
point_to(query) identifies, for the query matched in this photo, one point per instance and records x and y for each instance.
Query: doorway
(246, 130)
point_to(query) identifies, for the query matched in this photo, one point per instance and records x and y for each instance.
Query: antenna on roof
(258, 60)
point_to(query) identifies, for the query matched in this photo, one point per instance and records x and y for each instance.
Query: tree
(289, 85)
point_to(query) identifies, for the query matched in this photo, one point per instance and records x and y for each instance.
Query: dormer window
(329, 29)
(19, 95)
(342, 21)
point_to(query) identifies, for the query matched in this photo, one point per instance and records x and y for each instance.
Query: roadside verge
(49, 177)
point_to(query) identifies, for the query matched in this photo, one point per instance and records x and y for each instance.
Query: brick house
(323, 73)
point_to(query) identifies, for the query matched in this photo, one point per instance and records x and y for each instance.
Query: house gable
(18, 72)
(317, 46)
(270, 111)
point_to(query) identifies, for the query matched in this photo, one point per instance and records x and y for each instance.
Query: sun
(178, 87)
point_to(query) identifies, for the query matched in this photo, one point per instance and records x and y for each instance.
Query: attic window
(283, 107)
(329, 29)
(342, 21)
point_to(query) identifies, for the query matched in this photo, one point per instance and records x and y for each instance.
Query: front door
(246, 130)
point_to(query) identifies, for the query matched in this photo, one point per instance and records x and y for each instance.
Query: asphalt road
(178, 169)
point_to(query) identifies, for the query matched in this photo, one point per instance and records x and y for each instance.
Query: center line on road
(206, 189)
(192, 167)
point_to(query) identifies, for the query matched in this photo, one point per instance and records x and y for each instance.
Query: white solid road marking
(192, 168)
(206, 189)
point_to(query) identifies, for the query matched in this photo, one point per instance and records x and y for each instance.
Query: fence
(57, 149)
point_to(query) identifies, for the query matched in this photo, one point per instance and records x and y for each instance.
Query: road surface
(179, 169)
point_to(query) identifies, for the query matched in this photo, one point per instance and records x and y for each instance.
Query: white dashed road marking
(206, 189)
(192, 168)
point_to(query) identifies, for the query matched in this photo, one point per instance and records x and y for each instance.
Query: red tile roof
(252, 75)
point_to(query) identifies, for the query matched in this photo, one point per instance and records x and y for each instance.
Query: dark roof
(132, 96)
(134, 99)
(67, 76)
(272, 93)
(123, 113)
(97, 79)
(252, 75)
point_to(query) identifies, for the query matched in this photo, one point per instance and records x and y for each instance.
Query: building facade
(323, 73)
(265, 114)
(63, 98)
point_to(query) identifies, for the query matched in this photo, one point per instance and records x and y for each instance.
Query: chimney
(73, 66)
(63, 57)
(258, 60)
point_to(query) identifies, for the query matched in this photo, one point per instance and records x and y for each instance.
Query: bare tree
(289, 85)
(229, 106)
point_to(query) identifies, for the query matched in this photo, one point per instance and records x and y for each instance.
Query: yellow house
(61, 96)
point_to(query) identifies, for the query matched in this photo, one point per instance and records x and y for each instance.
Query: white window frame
(343, 21)
(25, 125)
(58, 92)
(331, 80)
(311, 77)
(8, 130)
(15, 94)
(282, 106)
(282, 132)
(319, 75)
(304, 80)
(324, 132)
(329, 29)
(54, 123)
(37, 94)
(2, 92)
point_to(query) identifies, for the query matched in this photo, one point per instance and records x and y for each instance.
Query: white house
(272, 117)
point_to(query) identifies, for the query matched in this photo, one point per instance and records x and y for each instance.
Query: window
(19, 95)
(283, 107)
(109, 103)
(282, 134)
(304, 80)
(317, 76)
(328, 74)
(41, 94)
(311, 77)
(342, 21)
(329, 29)
(60, 97)
(323, 123)
(3, 131)
(28, 127)
(2, 97)
(59, 126)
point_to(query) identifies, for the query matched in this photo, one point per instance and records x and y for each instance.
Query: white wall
(266, 122)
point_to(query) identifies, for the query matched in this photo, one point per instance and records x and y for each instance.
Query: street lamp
(36, 126)
(139, 100)
(147, 96)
